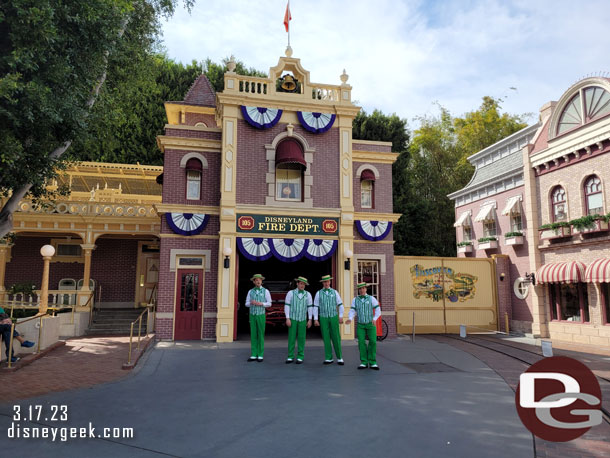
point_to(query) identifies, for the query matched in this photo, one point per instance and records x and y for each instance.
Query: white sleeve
(309, 300)
(248, 299)
(374, 301)
(352, 310)
(339, 301)
(312, 312)
(267, 298)
(316, 300)
(377, 312)
(287, 311)
(288, 299)
(341, 311)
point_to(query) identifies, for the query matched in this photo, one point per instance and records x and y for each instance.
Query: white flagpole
(289, 23)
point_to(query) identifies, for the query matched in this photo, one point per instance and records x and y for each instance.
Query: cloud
(404, 56)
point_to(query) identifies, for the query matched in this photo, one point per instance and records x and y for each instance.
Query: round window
(521, 288)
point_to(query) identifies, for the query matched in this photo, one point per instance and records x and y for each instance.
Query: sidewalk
(83, 362)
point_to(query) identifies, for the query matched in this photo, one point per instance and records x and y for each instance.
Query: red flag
(287, 16)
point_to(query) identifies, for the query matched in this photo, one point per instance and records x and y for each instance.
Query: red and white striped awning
(561, 272)
(598, 271)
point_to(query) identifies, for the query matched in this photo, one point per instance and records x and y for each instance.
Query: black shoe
(260, 360)
(375, 367)
(327, 362)
(251, 358)
(362, 366)
(299, 361)
(289, 361)
(340, 362)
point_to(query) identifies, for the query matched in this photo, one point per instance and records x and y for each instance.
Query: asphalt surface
(205, 400)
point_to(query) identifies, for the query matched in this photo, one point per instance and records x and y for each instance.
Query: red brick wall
(386, 281)
(209, 135)
(382, 189)
(252, 164)
(194, 118)
(167, 279)
(368, 147)
(113, 266)
(174, 179)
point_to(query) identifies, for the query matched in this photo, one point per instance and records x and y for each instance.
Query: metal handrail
(14, 325)
(139, 320)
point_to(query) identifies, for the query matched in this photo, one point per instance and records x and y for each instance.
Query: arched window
(558, 199)
(367, 189)
(289, 167)
(588, 104)
(593, 195)
(193, 179)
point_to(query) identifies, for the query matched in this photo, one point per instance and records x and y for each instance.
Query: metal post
(506, 322)
(413, 338)
(39, 334)
(139, 329)
(10, 346)
(130, 342)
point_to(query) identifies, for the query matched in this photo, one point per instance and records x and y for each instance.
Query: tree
(439, 166)
(54, 59)
(215, 72)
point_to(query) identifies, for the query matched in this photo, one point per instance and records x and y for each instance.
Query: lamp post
(227, 251)
(348, 255)
(47, 252)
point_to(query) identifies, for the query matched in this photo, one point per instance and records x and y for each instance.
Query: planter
(555, 233)
(489, 245)
(515, 240)
(598, 226)
(464, 249)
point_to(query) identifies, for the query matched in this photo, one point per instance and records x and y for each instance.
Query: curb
(30, 358)
(130, 366)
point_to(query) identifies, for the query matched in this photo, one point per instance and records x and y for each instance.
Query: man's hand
(316, 323)
(288, 322)
(348, 321)
(308, 323)
(340, 320)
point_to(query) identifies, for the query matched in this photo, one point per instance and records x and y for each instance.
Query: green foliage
(513, 234)
(215, 72)
(26, 288)
(8, 239)
(465, 243)
(586, 222)
(554, 226)
(492, 238)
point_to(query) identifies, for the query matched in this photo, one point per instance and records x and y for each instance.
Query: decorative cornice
(174, 110)
(367, 216)
(373, 156)
(193, 128)
(181, 208)
(372, 142)
(189, 144)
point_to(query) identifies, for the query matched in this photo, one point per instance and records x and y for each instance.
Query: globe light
(47, 251)
(227, 251)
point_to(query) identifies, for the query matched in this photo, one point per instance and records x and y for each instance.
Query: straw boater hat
(257, 276)
(303, 279)
(326, 278)
(361, 285)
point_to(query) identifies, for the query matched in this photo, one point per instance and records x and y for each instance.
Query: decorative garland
(261, 118)
(374, 230)
(187, 223)
(288, 250)
(255, 249)
(316, 122)
(321, 250)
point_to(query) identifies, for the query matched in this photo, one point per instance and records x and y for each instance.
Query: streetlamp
(47, 252)
(227, 251)
(348, 255)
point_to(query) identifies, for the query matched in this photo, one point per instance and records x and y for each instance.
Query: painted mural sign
(439, 281)
(271, 224)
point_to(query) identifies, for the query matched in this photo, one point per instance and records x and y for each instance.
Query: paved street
(204, 399)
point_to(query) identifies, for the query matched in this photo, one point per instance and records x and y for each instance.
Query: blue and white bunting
(187, 223)
(288, 250)
(255, 249)
(260, 117)
(320, 250)
(374, 230)
(316, 122)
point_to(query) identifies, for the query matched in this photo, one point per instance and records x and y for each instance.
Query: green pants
(368, 355)
(257, 335)
(297, 332)
(330, 332)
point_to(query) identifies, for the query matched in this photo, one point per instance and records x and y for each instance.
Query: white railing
(325, 92)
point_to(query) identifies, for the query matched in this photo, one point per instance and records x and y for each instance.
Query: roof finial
(231, 64)
(288, 51)
(344, 77)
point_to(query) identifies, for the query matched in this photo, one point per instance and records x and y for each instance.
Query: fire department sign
(268, 224)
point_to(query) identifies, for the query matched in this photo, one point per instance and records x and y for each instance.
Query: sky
(408, 56)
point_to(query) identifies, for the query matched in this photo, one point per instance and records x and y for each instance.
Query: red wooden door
(189, 304)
